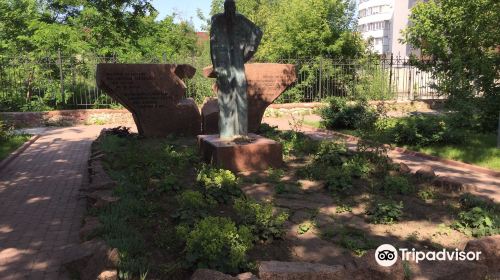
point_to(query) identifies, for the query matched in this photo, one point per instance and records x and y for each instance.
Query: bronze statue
(234, 39)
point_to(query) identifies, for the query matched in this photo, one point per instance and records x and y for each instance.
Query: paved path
(39, 207)
(487, 186)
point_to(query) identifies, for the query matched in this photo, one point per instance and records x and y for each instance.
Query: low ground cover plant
(385, 212)
(221, 184)
(261, 218)
(217, 243)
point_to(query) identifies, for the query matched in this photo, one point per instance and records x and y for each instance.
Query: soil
(307, 201)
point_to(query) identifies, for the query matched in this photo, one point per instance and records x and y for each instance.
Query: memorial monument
(233, 41)
(155, 95)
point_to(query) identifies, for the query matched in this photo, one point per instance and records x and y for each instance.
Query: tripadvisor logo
(387, 255)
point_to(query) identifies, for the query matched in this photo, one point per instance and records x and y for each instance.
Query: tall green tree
(463, 40)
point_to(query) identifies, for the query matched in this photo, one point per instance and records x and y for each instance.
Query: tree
(462, 38)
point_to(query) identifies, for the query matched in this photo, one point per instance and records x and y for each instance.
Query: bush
(358, 167)
(193, 206)
(425, 131)
(331, 154)
(338, 180)
(387, 212)
(260, 218)
(341, 115)
(477, 222)
(219, 183)
(397, 185)
(216, 243)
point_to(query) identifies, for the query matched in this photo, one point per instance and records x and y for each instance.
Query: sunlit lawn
(10, 144)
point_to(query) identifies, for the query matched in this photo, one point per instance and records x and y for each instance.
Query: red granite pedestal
(258, 154)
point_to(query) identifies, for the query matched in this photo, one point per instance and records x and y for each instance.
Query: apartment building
(381, 21)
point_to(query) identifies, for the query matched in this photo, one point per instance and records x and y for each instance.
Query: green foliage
(478, 222)
(397, 185)
(386, 212)
(221, 184)
(294, 143)
(358, 167)
(275, 175)
(216, 243)
(338, 181)
(339, 114)
(309, 28)
(305, 228)
(356, 241)
(424, 131)
(260, 218)
(467, 69)
(426, 194)
(193, 206)
(343, 208)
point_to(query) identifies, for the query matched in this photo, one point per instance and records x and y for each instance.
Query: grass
(478, 149)
(11, 143)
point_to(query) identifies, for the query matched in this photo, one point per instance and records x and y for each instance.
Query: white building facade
(381, 22)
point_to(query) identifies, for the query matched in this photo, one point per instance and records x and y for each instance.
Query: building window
(374, 10)
(374, 26)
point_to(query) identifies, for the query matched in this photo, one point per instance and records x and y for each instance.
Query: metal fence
(69, 82)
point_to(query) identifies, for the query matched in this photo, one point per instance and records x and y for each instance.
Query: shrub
(338, 180)
(397, 185)
(477, 222)
(358, 167)
(193, 206)
(260, 218)
(339, 114)
(219, 183)
(387, 212)
(425, 131)
(331, 154)
(216, 243)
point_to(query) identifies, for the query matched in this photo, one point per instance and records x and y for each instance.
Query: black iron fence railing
(58, 82)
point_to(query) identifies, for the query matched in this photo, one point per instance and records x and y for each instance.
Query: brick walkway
(486, 186)
(40, 212)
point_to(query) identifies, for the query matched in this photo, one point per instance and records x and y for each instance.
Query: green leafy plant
(260, 218)
(305, 227)
(355, 240)
(193, 206)
(343, 208)
(397, 185)
(338, 181)
(385, 212)
(426, 194)
(477, 222)
(216, 243)
(358, 167)
(219, 183)
(339, 114)
(275, 175)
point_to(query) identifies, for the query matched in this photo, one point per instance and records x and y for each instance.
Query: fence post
(498, 132)
(390, 73)
(61, 77)
(321, 77)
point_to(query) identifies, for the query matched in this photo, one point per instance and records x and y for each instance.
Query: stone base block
(258, 154)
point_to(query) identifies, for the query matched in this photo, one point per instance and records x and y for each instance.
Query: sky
(185, 9)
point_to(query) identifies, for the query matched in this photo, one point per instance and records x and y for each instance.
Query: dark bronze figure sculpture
(234, 39)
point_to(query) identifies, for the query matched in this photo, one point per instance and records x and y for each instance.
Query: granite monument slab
(155, 95)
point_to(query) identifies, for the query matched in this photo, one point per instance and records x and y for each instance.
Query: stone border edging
(400, 150)
(18, 151)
